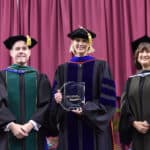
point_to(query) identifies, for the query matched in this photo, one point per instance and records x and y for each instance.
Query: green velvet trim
(30, 88)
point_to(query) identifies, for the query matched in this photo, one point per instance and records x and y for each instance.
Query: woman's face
(80, 46)
(144, 58)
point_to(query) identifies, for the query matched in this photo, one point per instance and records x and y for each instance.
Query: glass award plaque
(73, 95)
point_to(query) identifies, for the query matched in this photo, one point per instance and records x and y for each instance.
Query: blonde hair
(72, 49)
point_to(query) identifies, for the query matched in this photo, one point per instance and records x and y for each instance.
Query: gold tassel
(89, 35)
(28, 42)
(89, 38)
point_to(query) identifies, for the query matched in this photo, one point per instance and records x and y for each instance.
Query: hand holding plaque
(73, 95)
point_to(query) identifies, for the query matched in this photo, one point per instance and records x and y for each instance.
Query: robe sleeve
(43, 116)
(125, 107)
(56, 109)
(126, 118)
(99, 112)
(6, 115)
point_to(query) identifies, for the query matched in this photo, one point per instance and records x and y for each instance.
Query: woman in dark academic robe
(88, 126)
(24, 100)
(136, 100)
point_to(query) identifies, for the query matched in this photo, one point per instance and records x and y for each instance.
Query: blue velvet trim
(16, 71)
(73, 131)
(81, 59)
(105, 101)
(87, 132)
(45, 145)
(108, 82)
(72, 72)
(19, 69)
(108, 92)
(72, 121)
(88, 138)
(88, 79)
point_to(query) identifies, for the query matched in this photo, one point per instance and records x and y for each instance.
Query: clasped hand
(141, 126)
(20, 131)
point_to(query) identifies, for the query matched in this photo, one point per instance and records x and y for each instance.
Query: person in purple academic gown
(87, 127)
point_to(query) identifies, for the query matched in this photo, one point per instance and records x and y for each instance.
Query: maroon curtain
(116, 24)
(8, 26)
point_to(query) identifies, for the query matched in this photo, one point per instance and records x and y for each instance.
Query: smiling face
(144, 58)
(143, 55)
(20, 53)
(80, 46)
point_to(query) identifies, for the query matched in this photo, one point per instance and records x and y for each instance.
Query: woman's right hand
(141, 126)
(58, 96)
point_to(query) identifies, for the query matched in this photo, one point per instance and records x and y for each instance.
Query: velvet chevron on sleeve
(92, 129)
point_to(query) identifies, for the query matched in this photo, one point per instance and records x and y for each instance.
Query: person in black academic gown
(135, 110)
(87, 127)
(24, 100)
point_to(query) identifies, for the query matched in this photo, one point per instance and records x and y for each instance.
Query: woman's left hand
(78, 110)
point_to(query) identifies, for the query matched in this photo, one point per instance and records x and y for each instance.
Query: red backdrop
(116, 23)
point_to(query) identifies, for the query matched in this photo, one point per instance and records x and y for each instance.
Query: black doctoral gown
(37, 111)
(137, 96)
(91, 130)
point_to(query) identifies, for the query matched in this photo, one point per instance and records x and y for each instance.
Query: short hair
(142, 46)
